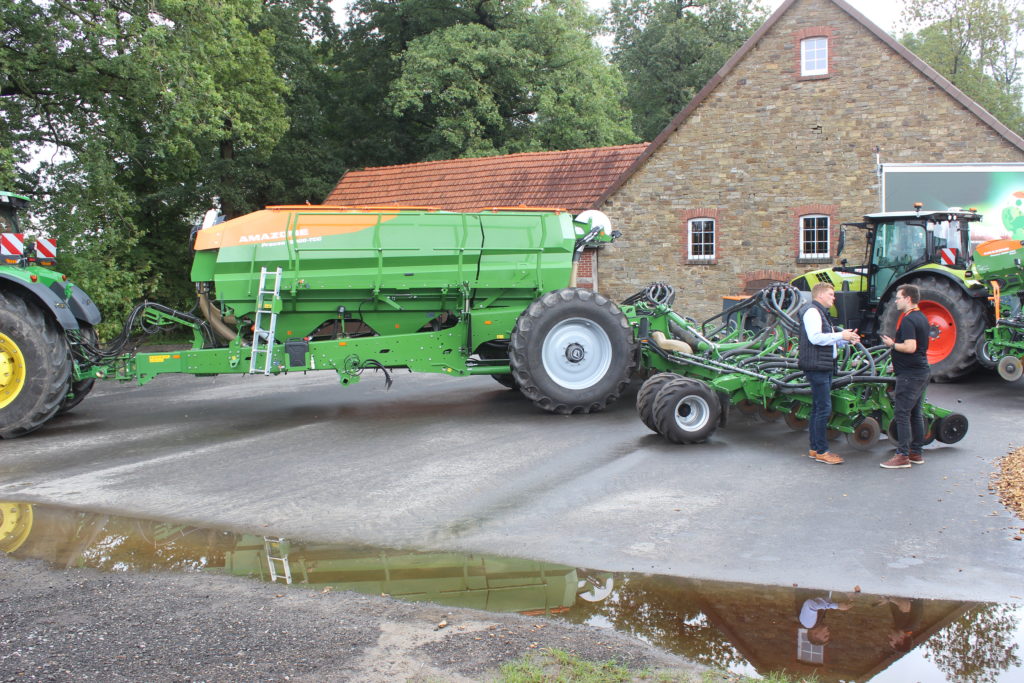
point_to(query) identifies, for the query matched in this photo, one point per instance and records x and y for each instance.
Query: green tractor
(930, 249)
(40, 312)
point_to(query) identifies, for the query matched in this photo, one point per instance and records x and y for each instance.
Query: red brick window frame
(701, 233)
(810, 44)
(815, 232)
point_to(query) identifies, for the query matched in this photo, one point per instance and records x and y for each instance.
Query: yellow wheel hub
(15, 525)
(12, 370)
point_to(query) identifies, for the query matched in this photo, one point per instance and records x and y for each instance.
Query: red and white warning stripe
(46, 247)
(12, 244)
(948, 256)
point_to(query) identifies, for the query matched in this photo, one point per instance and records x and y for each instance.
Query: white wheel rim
(692, 413)
(576, 353)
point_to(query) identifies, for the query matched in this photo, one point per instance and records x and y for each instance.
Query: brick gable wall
(765, 143)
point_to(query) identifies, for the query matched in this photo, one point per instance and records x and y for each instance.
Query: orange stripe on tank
(993, 247)
(274, 225)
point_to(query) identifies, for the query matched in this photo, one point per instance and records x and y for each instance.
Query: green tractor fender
(77, 307)
(971, 288)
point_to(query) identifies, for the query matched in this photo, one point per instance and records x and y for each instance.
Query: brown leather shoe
(897, 462)
(916, 459)
(829, 458)
(812, 453)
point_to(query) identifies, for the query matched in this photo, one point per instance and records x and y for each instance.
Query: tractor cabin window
(701, 239)
(814, 237)
(814, 56)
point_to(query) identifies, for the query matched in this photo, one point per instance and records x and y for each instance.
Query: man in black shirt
(910, 363)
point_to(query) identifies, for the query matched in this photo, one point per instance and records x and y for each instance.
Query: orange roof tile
(572, 179)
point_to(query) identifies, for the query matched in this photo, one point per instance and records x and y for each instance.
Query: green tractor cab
(930, 249)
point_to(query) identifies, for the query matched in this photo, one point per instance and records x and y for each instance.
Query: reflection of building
(762, 624)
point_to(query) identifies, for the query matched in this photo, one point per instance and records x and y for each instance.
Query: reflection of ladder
(276, 550)
(268, 303)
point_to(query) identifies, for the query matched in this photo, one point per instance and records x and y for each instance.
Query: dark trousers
(907, 404)
(821, 409)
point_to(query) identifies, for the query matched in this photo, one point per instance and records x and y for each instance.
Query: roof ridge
(502, 156)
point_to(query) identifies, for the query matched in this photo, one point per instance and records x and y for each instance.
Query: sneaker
(829, 458)
(897, 462)
(916, 459)
(812, 453)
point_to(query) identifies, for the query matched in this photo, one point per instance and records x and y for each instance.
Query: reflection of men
(812, 617)
(818, 342)
(906, 621)
(910, 363)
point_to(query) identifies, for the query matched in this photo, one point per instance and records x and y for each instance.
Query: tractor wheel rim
(692, 413)
(576, 353)
(15, 525)
(12, 370)
(943, 330)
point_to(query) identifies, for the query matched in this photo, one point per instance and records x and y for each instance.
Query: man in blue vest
(910, 364)
(819, 341)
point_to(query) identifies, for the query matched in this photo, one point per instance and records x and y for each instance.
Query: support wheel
(35, 366)
(865, 434)
(686, 411)
(648, 392)
(572, 351)
(951, 428)
(81, 388)
(956, 321)
(984, 352)
(1009, 368)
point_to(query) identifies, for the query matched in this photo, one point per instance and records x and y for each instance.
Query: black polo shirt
(912, 325)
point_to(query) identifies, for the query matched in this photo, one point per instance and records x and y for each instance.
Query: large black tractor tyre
(81, 388)
(35, 366)
(572, 351)
(686, 411)
(956, 321)
(648, 392)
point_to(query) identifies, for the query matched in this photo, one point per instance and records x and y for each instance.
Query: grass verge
(558, 666)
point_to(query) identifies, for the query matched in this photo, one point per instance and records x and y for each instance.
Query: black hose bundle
(656, 294)
(95, 354)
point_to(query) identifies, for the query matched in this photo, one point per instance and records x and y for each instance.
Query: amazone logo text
(266, 236)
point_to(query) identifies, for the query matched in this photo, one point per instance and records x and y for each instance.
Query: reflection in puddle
(744, 628)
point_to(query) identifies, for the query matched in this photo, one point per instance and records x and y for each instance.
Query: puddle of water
(743, 628)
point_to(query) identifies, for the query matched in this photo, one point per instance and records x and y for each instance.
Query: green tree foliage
(973, 43)
(668, 50)
(137, 105)
(438, 79)
(979, 646)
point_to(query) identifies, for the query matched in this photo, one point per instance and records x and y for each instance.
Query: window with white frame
(701, 239)
(814, 237)
(814, 56)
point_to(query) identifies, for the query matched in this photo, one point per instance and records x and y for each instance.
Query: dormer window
(814, 56)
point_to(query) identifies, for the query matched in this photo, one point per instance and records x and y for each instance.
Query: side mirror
(842, 240)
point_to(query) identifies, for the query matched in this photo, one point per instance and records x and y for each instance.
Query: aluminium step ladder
(265, 325)
(276, 550)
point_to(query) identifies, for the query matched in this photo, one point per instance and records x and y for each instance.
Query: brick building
(750, 181)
